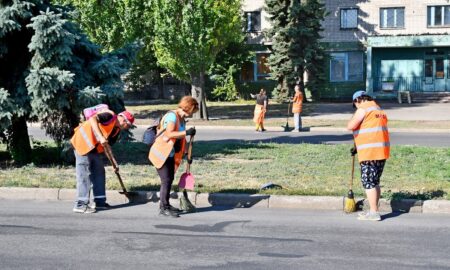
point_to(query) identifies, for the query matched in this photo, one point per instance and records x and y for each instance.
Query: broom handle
(289, 108)
(353, 171)
(112, 160)
(189, 154)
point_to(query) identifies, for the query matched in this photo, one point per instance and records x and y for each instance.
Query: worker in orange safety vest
(88, 141)
(371, 136)
(168, 149)
(297, 104)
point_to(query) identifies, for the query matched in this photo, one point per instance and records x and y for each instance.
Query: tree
(114, 24)
(49, 71)
(225, 70)
(188, 36)
(296, 44)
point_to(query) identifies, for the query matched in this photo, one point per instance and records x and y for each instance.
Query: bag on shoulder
(149, 135)
(91, 111)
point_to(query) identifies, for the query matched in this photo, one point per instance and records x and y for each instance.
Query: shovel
(112, 160)
(187, 182)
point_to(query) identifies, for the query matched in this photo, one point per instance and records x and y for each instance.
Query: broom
(286, 128)
(187, 182)
(349, 201)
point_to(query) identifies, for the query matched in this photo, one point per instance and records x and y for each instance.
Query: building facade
(383, 46)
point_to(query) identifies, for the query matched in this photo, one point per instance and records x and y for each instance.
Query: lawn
(303, 169)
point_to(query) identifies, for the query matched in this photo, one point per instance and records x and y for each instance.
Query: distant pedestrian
(370, 131)
(260, 110)
(169, 148)
(88, 141)
(297, 105)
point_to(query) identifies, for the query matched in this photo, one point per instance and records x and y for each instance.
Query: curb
(234, 200)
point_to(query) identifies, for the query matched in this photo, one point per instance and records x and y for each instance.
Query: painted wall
(369, 19)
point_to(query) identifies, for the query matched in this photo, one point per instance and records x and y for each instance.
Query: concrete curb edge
(233, 200)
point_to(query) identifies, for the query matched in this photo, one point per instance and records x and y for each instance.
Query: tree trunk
(198, 92)
(301, 81)
(19, 141)
(160, 83)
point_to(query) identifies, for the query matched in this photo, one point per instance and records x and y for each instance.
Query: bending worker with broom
(369, 126)
(89, 140)
(168, 149)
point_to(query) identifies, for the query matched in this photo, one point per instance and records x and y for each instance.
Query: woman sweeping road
(168, 150)
(260, 110)
(369, 126)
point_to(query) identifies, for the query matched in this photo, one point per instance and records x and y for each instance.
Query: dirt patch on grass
(240, 160)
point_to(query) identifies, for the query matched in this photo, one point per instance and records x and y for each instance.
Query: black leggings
(166, 174)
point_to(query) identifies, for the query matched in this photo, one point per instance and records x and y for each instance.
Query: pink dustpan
(187, 178)
(187, 181)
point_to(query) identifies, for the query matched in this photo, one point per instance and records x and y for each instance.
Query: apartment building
(383, 46)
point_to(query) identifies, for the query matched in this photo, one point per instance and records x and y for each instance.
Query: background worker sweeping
(370, 132)
(297, 104)
(168, 149)
(260, 110)
(88, 141)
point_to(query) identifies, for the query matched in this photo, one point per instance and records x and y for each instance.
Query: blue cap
(359, 93)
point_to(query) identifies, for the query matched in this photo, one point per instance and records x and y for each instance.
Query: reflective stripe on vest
(369, 130)
(373, 145)
(85, 137)
(158, 154)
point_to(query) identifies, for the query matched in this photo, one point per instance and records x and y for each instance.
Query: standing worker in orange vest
(297, 104)
(168, 149)
(370, 131)
(88, 141)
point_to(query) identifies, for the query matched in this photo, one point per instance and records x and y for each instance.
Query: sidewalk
(395, 111)
(234, 200)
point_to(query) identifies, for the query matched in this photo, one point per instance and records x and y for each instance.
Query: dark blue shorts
(371, 171)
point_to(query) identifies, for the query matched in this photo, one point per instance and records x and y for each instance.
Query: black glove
(353, 151)
(189, 161)
(191, 131)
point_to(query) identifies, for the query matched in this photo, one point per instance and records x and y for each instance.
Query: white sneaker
(371, 216)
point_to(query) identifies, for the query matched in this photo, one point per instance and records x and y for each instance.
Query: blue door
(435, 74)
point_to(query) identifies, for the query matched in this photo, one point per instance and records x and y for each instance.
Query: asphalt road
(47, 235)
(223, 135)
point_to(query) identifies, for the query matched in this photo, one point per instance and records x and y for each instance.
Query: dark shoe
(262, 130)
(168, 213)
(102, 206)
(174, 209)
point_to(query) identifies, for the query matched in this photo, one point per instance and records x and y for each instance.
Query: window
(253, 21)
(392, 17)
(258, 70)
(349, 18)
(262, 66)
(438, 16)
(346, 66)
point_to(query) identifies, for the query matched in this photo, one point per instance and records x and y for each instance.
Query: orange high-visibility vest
(84, 139)
(297, 103)
(372, 136)
(163, 145)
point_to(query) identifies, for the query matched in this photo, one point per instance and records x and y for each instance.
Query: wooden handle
(189, 153)
(353, 171)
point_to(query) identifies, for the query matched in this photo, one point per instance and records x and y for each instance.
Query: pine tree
(281, 66)
(50, 71)
(296, 44)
